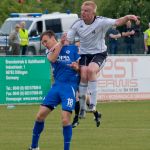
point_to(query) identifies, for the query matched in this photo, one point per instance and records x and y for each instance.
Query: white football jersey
(91, 37)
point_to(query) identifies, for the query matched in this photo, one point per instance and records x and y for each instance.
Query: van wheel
(31, 51)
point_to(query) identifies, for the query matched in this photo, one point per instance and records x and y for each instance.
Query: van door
(34, 38)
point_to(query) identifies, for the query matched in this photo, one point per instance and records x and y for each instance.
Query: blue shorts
(61, 93)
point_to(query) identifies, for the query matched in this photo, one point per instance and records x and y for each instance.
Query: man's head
(128, 24)
(22, 24)
(114, 26)
(17, 27)
(48, 39)
(88, 11)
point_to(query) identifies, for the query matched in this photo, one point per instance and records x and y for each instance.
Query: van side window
(54, 24)
(40, 27)
(37, 29)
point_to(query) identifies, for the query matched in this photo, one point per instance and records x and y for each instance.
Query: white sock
(82, 95)
(92, 87)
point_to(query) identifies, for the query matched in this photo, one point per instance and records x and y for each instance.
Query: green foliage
(125, 126)
(32, 6)
(107, 8)
(119, 8)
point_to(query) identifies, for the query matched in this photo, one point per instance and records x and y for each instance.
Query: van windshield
(9, 25)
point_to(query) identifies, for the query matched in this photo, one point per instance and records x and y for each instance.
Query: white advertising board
(125, 78)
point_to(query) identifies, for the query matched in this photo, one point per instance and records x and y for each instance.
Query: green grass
(125, 126)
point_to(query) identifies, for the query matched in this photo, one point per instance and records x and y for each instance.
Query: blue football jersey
(61, 70)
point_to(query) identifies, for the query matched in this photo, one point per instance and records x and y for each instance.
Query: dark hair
(49, 33)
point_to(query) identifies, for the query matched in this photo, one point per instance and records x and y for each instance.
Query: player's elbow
(51, 59)
(70, 38)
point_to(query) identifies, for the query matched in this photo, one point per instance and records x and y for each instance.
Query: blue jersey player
(64, 60)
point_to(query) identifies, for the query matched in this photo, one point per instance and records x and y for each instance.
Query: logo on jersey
(67, 52)
(63, 58)
(70, 102)
(81, 26)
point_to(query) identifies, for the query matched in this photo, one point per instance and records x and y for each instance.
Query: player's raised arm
(53, 47)
(123, 20)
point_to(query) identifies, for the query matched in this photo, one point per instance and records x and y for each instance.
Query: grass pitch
(125, 126)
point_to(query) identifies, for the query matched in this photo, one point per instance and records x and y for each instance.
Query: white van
(36, 23)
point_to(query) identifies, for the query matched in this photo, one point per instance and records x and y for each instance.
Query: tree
(21, 1)
(107, 8)
(118, 8)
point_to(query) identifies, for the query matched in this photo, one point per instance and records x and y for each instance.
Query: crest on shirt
(67, 52)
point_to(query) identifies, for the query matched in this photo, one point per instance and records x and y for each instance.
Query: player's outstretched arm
(121, 21)
(53, 53)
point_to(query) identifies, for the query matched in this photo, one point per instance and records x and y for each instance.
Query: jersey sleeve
(107, 23)
(76, 55)
(72, 33)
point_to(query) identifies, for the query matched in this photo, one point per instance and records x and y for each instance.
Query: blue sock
(38, 128)
(67, 133)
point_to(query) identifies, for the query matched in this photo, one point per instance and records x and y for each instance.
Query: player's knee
(93, 68)
(84, 74)
(91, 71)
(40, 117)
(65, 121)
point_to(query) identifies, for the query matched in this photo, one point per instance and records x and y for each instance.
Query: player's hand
(64, 39)
(132, 32)
(133, 17)
(74, 65)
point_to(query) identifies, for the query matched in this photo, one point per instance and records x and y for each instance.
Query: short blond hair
(23, 23)
(90, 3)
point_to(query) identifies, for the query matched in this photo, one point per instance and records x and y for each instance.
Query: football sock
(95, 113)
(82, 95)
(88, 100)
(67, 133)
(77, 108)
(92, 86)
(38, 128)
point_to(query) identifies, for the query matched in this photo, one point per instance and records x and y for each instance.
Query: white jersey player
(91, 30)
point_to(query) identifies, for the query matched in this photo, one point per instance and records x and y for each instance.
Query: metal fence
(138, 46)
